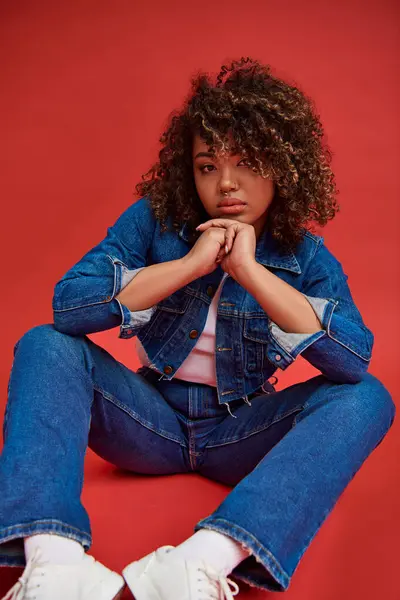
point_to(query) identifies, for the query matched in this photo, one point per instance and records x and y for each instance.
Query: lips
(230, 202)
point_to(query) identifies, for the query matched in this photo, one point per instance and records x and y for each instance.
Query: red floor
(354, 556)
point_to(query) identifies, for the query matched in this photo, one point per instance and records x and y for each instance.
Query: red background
(86, 89)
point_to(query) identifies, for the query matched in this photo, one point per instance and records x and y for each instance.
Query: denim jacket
(250, 347)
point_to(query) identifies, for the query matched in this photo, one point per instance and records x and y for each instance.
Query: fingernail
(226, 249)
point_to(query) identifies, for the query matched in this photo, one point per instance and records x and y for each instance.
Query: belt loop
(229, 410)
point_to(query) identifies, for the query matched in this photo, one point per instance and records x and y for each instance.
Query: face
(215, 175)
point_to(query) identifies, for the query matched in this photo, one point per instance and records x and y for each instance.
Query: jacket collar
(268, 252)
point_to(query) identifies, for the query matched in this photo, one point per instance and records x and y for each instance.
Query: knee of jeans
(45, 338)
(374, 400)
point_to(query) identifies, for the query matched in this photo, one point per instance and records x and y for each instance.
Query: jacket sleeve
(84, 299)
(342, 349)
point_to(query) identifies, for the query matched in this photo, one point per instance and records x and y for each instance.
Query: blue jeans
(288, 456)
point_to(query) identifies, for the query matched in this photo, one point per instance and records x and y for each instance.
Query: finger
(207, 225)
(220, 254)
(215, 223)
(229, 239)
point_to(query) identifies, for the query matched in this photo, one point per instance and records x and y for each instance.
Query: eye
(247, 163)
(204, 167)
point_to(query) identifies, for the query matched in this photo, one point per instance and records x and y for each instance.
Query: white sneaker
(158, 576)
(88, 580)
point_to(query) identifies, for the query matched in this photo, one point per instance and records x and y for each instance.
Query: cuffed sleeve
(132, 321)
(294, 342)
(84, 300)
(342, 349)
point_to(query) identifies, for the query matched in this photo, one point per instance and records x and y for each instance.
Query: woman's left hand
(240, 241)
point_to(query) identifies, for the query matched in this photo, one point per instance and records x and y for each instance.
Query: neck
(259, 225)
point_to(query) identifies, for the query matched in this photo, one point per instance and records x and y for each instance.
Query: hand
(240, 243)
(202, 258)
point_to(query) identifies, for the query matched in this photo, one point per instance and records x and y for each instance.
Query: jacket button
(193, 334)
(210, 291)
(167, 369)
(278, 357)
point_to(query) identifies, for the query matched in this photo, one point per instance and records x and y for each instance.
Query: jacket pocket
(256, 339)
(168, 313)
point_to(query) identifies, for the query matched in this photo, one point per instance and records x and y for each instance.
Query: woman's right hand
(207, 252)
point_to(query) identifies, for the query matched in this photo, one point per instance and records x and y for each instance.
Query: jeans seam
(191, 441)
(228, 441)
(137, 417)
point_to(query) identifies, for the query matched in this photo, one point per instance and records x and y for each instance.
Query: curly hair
(273, 124)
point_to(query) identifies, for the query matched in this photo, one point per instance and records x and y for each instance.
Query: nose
(227, 181)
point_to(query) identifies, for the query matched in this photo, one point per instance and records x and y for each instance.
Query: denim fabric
(287, 454)
(249, 346)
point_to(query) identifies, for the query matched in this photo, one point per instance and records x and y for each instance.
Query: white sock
(218, 550)
(55, 549)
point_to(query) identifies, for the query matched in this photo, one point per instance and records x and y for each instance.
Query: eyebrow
(206, 154)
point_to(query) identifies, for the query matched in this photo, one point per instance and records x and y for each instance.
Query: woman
(217, 274)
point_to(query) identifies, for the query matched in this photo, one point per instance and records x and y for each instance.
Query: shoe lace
(18, 591)
(215, 585)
